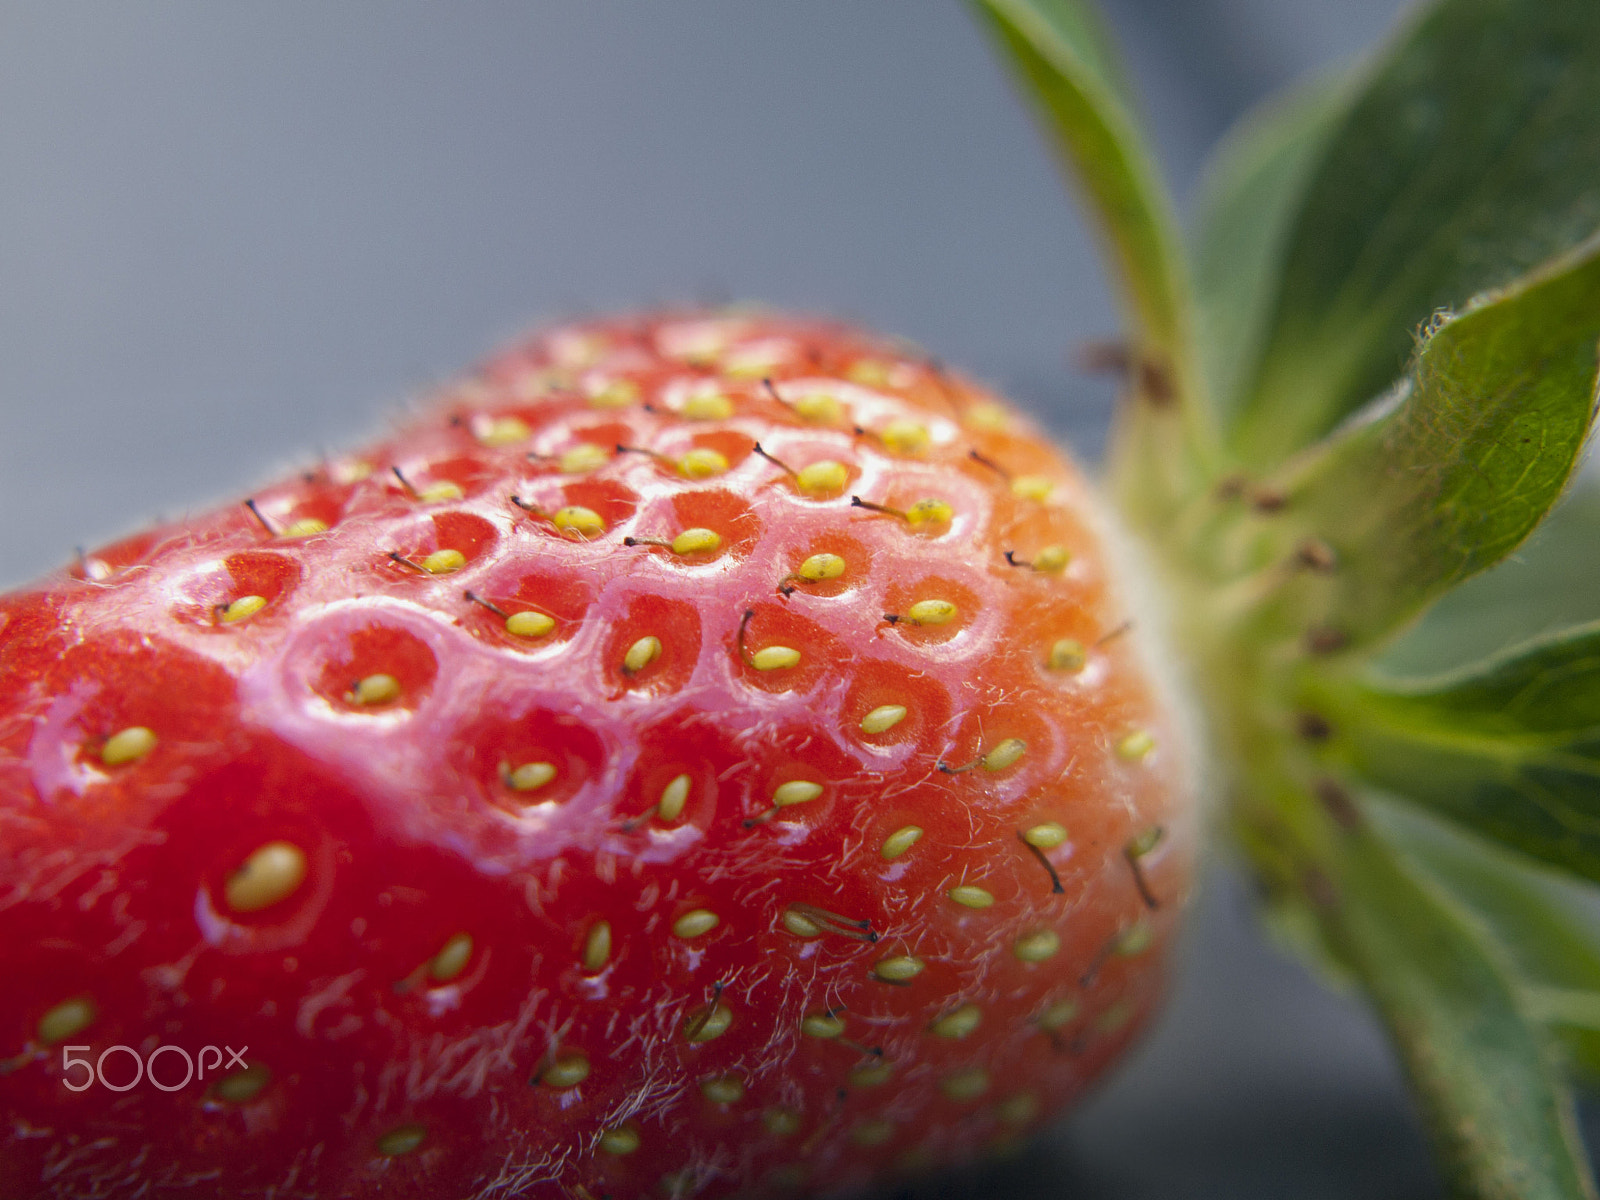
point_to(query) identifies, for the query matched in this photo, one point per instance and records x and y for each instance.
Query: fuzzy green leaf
(1463, 462)
(1064, 59)
(1252, 191)
(1500, 1118)
(1510, 749)
(1551, 583)
(1546, 927)
(1470, 156)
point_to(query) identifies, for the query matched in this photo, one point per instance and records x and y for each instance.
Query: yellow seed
(883, 718)
(1058, 1015)
(67, 1019)
(1046, 836)
(820, 408)
(585, 522)
(530, 776)
(1038, 946)
(701, 463)
(708, 1023)
(442, 562)
(708, 407)
(529, 624)
(1135, 939)
(127, 745)
(965, 1085)
(1114, 1018)
(619, 1142)
(500, 431)
(244, 606)
(905, 437)
(1134, 746)
(696, 541)
(567, 1071)
(1004, 755)
(436, 493)
(971, 896)
(929, 512)
(821, 1025)
(452, 959)
(402, 1140)
(873, 1075)
(271, 874)
(869, 372)
(597, 946)
(695, 923)
(898, 842)
(641, 654)
(932, 612)
(796, 791)
(959, 1023)
(617, 393)
(1067, 654)
(751, 364)
(725, 1089)
(986, 416)
(775, 658)
(898, 969)
(375, 689)
(1052, 559)
(1018, 1109)
(825, 478)
(305, 527)
(242, 1086)
(673, 797)
(781, 1122)
(1031, 487)
(822, 566)
(583, 458)
(800, 925)
(872, 1133)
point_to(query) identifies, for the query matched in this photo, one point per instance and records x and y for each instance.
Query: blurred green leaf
(1461, 465)
(1510, 749)
(1500, 1118)
(1063, 56)
(1469, 156)
(1547, 927)
(1248, 201)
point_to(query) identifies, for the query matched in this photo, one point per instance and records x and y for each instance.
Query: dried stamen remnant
(768, 658)
(575, 520)
(927, 513)
(809, 921)
(926, 612)
(1042, 837)
(1005, 754)
(530, 623)
(434, 493)
(814, 569)
(1134, 852)
(690, 541)
(1049, 560)
(709, 1022)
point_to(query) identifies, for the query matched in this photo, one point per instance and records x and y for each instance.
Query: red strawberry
(707, 752)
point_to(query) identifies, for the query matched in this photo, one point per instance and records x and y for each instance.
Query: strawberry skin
(706, 753)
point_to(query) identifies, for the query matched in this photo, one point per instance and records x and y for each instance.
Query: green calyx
(1356, 403)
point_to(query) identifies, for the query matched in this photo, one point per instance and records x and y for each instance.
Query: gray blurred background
(231, 234)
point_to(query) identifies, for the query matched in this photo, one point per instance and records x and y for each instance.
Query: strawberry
(705, 752)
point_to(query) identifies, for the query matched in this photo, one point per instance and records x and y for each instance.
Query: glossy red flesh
(113, 880)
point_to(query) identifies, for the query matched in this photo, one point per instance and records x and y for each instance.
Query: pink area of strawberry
(623, 864)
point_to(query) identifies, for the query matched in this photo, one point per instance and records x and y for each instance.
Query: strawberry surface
(704, 753)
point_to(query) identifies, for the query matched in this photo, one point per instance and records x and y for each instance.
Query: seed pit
(931, 611)
(533, 759)
(675, 624)
(243, 588)
(354, 679)
(878, 691)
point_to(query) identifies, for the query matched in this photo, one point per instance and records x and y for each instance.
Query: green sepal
(1510, 748)
(1252, 191)
(1462, 463)
(1545, 926)
(1064, 61)
(1468, 157)
(1498, 1114)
